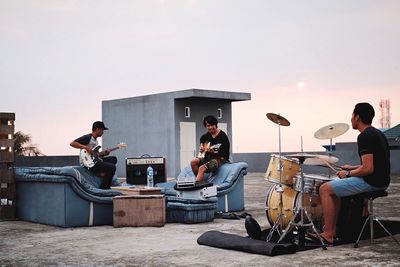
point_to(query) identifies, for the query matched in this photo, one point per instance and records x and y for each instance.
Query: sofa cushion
(71, 174)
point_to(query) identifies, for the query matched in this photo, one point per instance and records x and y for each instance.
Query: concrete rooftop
(30, 244)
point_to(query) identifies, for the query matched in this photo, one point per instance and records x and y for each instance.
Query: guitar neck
(109, 150)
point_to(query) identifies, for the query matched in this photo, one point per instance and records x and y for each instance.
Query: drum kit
(293, 202)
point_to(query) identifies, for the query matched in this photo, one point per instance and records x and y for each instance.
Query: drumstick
(330, 166)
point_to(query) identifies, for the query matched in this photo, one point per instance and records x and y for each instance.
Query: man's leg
(331, 207)
(194, 164)
(111, 159)
(200, 174)
(106, 171)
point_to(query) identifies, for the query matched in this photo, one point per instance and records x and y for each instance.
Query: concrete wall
(258, 162)
(145, 123)
(345, 152)
(46, 161)
(201, 107)
(150, 125)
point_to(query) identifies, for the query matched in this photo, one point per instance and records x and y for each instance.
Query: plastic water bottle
(150, 180)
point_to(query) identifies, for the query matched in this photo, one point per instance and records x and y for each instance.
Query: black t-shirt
(87, 139)
(373, 141)
(222, 139)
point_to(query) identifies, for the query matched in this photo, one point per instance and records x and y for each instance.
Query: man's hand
(201, 148)
(88, 149)
(347, 167)
(341, 174)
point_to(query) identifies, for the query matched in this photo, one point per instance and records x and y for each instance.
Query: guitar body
(209, 149)
(89, 160)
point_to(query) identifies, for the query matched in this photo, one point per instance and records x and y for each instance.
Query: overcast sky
(60, 59)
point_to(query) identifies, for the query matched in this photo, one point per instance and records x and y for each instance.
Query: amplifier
(136, 170)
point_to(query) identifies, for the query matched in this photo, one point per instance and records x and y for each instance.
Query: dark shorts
(213, 164)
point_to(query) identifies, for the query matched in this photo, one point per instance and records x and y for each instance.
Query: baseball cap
(99, 124)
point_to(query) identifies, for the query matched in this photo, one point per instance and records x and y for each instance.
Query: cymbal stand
(277, 227)
(330, 153)
(303, 212)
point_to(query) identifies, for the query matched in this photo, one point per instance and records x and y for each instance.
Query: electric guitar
(89, 160)
(208, 148)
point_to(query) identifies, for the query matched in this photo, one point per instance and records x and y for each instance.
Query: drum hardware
(300, 210)
(277, 226)
(328, 132)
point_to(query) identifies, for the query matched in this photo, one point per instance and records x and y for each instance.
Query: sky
(310, 61)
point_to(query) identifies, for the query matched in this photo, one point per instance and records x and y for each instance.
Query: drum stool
(371, 217)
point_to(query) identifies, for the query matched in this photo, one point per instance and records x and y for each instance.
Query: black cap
(99, 124)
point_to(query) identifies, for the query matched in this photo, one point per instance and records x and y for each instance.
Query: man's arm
(82, 143)
(366, 167)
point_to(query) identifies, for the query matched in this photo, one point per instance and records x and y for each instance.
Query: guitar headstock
(122, 145)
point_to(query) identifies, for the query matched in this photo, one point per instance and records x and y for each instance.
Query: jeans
(106, 170)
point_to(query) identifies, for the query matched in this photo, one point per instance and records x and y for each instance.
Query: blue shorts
(352, 186)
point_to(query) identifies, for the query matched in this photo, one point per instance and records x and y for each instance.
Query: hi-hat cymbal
(301, 155)
(278, 119)
(321, 160)
(331, 131)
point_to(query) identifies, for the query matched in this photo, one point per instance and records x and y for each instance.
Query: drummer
(373, 174)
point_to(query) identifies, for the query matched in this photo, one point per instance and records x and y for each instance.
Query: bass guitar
(89, 160)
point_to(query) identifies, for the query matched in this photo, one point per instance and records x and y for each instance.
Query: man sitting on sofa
(104, 168)
(214, 149)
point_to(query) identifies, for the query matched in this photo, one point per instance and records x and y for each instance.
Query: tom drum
(290, 168)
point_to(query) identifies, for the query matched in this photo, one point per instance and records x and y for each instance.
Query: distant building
(167, 124)
(393, 136)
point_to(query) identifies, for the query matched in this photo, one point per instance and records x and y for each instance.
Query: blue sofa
(229, 181)
(62, 196)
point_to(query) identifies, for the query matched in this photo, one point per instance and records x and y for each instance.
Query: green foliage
(23, 146)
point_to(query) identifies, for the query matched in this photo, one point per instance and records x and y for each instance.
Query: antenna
(384, 105)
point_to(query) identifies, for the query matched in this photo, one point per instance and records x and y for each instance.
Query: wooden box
(137, 190)
(139, 210)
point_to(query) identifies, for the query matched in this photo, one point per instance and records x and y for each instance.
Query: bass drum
(290, 199)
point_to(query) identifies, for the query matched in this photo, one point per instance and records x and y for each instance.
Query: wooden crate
(137, 190)
(139, 210)
(7, 186)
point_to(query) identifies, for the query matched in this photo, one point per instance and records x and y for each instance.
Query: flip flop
(230, 216)
(314, 237)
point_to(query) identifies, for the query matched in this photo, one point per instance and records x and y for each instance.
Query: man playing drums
(373, 174)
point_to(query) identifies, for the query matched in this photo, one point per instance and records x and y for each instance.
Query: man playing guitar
(214, 149)
(104, 168)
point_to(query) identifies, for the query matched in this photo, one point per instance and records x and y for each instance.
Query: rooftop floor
(24, 243)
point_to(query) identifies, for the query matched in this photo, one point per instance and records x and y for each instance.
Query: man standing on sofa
(214, 149)
(104, 168)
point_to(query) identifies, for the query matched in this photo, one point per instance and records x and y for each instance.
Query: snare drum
(291, 199)
(290, 168)
(311, 183)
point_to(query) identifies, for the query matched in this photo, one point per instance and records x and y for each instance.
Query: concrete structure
(167, 124)
(26, 244)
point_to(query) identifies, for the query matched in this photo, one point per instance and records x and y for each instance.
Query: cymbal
(301, 155)
(278, 119)
(332, 130)
(321, 160)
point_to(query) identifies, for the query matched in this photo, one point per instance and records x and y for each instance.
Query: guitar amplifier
(136, 170)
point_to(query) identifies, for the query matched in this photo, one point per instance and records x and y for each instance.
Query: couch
(229, 181)
(62, 196)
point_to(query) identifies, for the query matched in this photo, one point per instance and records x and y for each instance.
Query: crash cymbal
(278, 119)
(321, 160)
(301, 155)
(331, 131)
